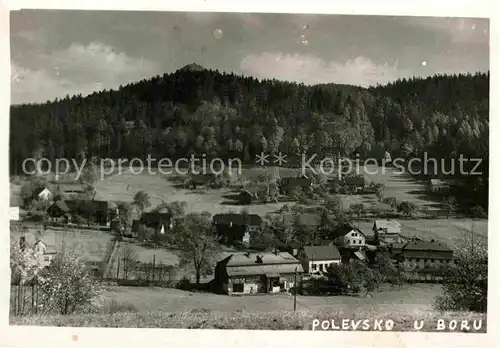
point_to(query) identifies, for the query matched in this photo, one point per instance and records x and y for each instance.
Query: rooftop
(391, 226)
(422, 245)
(268, 258)
(238, 219)
(323, 252)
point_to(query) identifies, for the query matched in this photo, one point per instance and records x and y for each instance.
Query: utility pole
(153, 273)
(295, 290)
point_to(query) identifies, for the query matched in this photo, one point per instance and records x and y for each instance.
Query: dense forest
(195, 111)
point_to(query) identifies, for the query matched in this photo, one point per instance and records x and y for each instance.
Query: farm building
(356, 183)
(161, 222)
(246, 197)
(196, 180)
(58, 212)
(246, 273)
(236, 227)
(70, 210)
(287, 185)
(419, 254)
(46, 252)
(438, 186)
(350, 238)
(318, 258)
(387, 231)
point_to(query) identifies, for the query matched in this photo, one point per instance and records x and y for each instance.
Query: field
(168, 308)
(162, 188)
(417, 297)
(90, 244)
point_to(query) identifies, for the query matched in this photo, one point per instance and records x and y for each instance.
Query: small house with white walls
(318, 258)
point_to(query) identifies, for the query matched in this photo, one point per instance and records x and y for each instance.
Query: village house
(387, 231)
(288, 185)
(70, 211)
(161, 222)
(232, 227)
(438, 186)
(318, 258)
(47, 253)
(420, 254)
(247, 273)
(58, 212)
(351, 238)
(44, 194)
(203, 180)
(356, 183)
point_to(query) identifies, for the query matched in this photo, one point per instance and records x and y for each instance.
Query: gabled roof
(61, 205)
(238, 219)
(303, 219)
(322, 253)
(91, 206)
(391, 226)
(253, 259)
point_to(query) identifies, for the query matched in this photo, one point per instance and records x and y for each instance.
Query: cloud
(77, 69)
(459, 30)
(310, 69)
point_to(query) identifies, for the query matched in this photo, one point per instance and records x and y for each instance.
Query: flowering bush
(68, 286)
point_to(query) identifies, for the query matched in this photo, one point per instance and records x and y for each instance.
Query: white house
(45, 195)
(46, 253)
(319, 258)
(352, 238)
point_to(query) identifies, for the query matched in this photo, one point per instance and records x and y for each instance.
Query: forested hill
(200, 111)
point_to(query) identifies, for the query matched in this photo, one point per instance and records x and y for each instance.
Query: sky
(59, 53)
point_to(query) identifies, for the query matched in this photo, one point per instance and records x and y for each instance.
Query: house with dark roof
(197, 180)
(247, 273)
(318, 258)
(420, 254)
(161, 222)
(71, 210)
(356, 183)
(387, 232)
(58, 212)
(287, 185)
(232, 227)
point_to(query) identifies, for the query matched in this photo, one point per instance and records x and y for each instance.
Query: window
(238, 287)
(314, 266)
(46, 259)
(321, 267)
(417, 259)
(432, 260)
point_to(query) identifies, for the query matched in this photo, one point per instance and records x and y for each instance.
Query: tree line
(230, 116)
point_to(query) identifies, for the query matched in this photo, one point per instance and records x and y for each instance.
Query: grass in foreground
(281, 320)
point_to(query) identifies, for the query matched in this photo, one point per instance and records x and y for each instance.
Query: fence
(24, 299)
